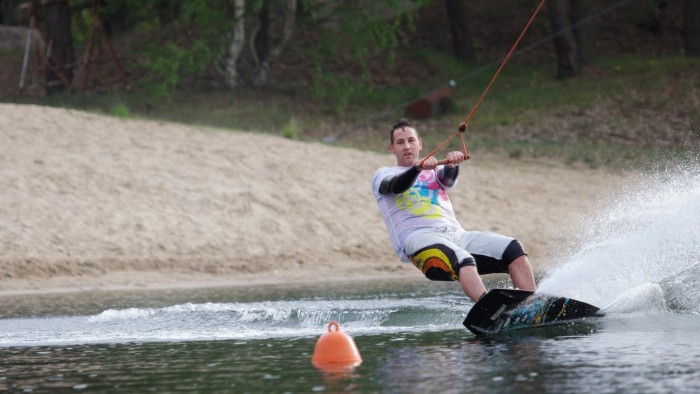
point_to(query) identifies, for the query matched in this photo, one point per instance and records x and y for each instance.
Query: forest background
(347, 68)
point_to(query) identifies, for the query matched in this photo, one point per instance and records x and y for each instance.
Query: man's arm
(447, 176)
(399, 183)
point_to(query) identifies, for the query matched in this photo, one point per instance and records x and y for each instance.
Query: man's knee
(492, 265)
(438, 262)
(513, 252)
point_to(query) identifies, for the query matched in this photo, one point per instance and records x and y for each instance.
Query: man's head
(405, 143)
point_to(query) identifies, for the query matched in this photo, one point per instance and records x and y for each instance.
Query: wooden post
(431, 104)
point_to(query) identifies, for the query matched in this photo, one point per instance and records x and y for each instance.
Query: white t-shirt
(423, 205)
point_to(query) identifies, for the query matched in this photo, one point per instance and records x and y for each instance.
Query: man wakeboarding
(414, 203)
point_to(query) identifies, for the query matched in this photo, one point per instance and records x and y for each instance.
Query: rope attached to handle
(463, 126)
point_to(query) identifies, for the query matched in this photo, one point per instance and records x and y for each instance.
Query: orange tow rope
(463, 127)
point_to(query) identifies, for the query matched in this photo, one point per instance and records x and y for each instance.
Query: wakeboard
(505, 310)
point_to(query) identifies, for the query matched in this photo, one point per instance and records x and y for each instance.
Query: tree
(60, 54)
(577, 15)
(462, 40)
(692, 27)
(236, 45)
(263, 55)
(354, 32)
(239, 42)
(564, 44)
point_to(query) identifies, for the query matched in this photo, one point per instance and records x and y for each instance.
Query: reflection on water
(643, 351)
(188, 366)
(432, 362)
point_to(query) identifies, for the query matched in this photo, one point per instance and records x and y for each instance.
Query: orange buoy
(335, 349)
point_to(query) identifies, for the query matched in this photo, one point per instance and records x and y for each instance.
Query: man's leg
(471, 282)
(438, 257)
(521, 274)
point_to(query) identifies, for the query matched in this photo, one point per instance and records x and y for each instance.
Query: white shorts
(441, 252)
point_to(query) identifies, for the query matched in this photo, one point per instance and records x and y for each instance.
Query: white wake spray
(648, 235)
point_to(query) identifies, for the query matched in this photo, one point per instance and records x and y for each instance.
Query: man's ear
(391, 147)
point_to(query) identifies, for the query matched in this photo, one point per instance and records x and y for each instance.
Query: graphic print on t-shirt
(423, 199)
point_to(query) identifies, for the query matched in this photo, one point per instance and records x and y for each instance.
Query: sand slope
(89, 201)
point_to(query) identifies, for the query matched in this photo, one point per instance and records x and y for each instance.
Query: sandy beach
(90, 202)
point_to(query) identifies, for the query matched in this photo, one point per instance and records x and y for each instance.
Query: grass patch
(120, 110)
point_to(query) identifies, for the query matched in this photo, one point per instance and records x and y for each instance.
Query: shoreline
(20, 287)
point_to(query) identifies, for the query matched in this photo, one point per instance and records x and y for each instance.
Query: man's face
(406, 146)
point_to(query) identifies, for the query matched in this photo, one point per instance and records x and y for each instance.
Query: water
(637, 259)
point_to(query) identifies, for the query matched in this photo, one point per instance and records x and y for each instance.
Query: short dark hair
(400, 124)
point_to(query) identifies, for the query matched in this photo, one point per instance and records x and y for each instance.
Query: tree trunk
(261, 37)
(578, 14)
(237, 42)
(462, 40)
(567, 61)
(265, 63)
(692, 27)
(59, 51)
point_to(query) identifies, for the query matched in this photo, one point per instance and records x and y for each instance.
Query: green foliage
(81, 26)
(336, 89)
(163, 65)
(120, 110)
(357, 32)
(191, 37)
(167, 64)
(291, 129)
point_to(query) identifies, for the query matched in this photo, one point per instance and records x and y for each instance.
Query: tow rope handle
(463, 126)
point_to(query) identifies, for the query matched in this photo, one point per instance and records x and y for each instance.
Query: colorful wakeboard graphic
(504, 310)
